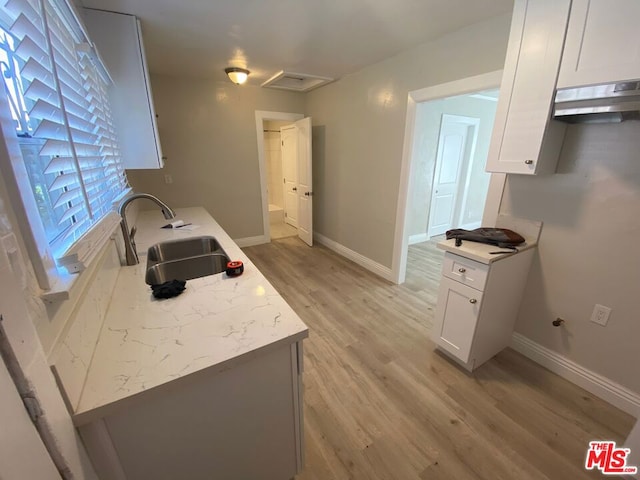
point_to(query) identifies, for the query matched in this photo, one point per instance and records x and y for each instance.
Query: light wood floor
(282, 230)
(381, 404)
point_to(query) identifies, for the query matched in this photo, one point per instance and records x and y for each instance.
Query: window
(56, 89)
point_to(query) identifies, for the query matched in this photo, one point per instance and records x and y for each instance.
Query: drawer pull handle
(473, 300)
(462, 270)
(528, 162)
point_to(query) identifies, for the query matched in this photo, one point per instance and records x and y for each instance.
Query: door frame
(261, 117)
(486, 81)
(284, 193)
(465, 173)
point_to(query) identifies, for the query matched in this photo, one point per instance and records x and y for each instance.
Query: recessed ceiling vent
(298, 82)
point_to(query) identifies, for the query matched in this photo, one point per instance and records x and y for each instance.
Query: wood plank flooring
(380, 403)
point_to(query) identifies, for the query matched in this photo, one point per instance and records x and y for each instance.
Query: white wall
(427, 132)
(359, 130)
(21, 310)
(208, 133)
(589, 249)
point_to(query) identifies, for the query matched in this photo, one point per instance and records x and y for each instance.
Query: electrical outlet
(168, 179)
(600, 315)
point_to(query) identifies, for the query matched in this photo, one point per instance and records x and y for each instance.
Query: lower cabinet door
(456, 317)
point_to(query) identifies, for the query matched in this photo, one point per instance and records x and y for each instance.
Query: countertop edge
(480, 251)
(88, 416)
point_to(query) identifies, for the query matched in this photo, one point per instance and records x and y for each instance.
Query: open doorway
(448, 185)
(280, 159)
(285, 159)
(444, 184)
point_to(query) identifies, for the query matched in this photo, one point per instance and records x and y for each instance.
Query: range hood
(612, 102)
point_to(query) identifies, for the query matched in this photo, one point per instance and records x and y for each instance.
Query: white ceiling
(199, 38)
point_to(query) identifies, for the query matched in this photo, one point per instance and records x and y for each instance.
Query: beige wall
(588, 250)
(426, 136)
(359, 126)
(208, 133)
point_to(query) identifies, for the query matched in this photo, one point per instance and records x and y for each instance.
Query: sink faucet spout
(131, 253)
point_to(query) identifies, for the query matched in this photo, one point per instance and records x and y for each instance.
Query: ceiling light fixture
(237, 75)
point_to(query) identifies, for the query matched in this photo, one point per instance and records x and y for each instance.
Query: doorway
(443, 182)
(279, 161)
(284, 153)
(453, 175)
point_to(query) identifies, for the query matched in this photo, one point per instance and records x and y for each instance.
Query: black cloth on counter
(502, 237)
(169, 289)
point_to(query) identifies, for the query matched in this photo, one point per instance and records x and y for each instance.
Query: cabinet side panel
(117, 38)
(238, 424)
(502, 299)
(100, 448)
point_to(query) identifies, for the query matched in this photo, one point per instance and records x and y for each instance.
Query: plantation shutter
(109, 179)
(65, 91)
(46, 119)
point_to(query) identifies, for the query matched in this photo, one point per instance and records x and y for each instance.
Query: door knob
(473, 300)
(295, 189)
(308, 194)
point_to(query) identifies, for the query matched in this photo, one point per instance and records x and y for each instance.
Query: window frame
(53, 263)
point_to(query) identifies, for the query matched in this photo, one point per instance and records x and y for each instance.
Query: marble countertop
(147, 345)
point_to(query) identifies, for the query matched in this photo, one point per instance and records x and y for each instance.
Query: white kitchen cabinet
(118, 39)
(242, 423)
(478, 304)
(524, 139)
(602, 43)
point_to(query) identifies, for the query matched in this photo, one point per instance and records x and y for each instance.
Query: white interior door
(305, 181)
(289, 138)
(450, 160)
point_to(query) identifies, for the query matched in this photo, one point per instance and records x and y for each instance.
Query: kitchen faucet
(131, 253)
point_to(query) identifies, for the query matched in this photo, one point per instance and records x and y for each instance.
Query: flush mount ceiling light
(237, 75)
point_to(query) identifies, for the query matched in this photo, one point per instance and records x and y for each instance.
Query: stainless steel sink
(186, 268)
(185, 259)
(188, 247)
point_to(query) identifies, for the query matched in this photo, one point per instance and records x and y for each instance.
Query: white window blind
(66, 128)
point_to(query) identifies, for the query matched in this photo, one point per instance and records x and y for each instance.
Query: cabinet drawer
(464, 270)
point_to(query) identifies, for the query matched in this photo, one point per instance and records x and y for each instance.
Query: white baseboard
(365, 262)
(600, 386)
(418, 238)
(251, 241)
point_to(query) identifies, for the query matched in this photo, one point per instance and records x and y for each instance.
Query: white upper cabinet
(118, 39)
(603, 43)
(524, 139)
